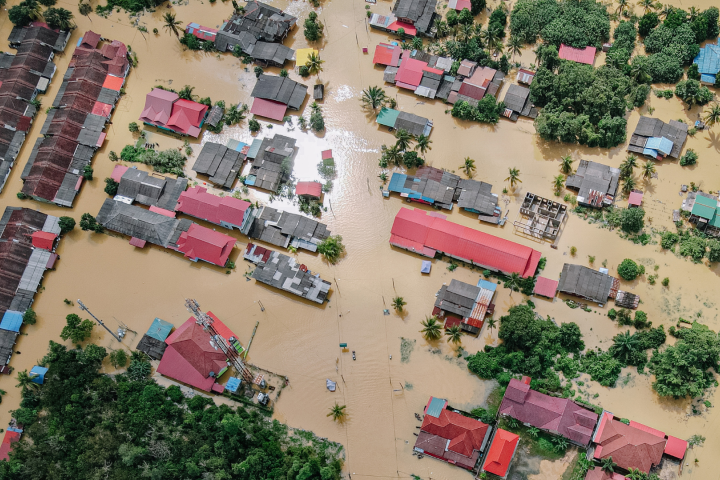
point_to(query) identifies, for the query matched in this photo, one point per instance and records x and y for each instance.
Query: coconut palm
(373, 97)
(59, 18)
(393, 155)
(422, 144)
(489, 35)
(647, 5)
(712, 114)
(490, 322)
(186, 92)
(628, 166)
(624, 346)
(454, 334)
(608, 465)
(432, 329)
(629, 185)
(469, 167)
(337, 412)
(514, 46)
(85, 9)
(693, 13)
(622, 5)
(558, 184)
(665, 10)
(171, 25)
(566, 164)
(403, 140)
(533, 432)
(25, 380)
(639, 72)
(398, 303)
(514, 176)
(648, 169)
(513, 282)
(417, 43)
(466, 33)
(314, 64)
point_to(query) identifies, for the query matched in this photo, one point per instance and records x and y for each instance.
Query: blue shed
(160, 329)
(37, 374)
(233, 384)
(11, 321)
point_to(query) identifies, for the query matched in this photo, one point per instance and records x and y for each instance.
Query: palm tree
(423, 144)
(622, 4)
(624, 346)
(25, 380)
(314, 64)
(432, 329)
(489, 35)
(171, 25)
(514, 177)
(628, 166)
(629, 185)
(648, 169)
(608, 465)
(337, 412)
(693, 13)
(85, 9)
(490, 322)
(394, 155)
(514, 46)
(513, 282)
(417, 43)
(34, 10)
(666, 10)
(712, 115)
(469, 167)
(373, 97)
(465, 33)
(558, 184)
(398, 303)
(566, 164)
(59, 18)
(647, 5)
(403, 140)
(454, 334)
(639, 72)
(186, 92)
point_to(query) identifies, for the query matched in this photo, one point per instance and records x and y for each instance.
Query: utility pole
(84, 308)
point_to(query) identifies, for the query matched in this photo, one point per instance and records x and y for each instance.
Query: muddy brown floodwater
(299, 339)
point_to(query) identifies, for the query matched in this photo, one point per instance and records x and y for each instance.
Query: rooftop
(284, 272)
(628, 445)
(280, 89)
(587, 283)
(219, 163)
(596, 183)
(201, 243)
(654, 134)
(581, 55)
(197, 202)
(501, 453)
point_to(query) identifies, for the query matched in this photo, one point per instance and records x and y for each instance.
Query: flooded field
(396, 369)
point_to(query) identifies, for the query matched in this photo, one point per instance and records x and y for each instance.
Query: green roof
(387, 117)
(160, 329)
(704, 207)
(715, 221)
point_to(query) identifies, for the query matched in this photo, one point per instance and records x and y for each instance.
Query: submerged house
(596, 184)
(559, 416)
(273, 95)
(281, 271)
(518, 104)
(167, 111)
(580, 55)
(387, 54)
(284, 229)
(200, 243)
(42, 33)
(422, 190)
(465, 305)
(656, 139)
(473, 88)
(502, 450)
(153, 342)
(429, 234)
(450, 436)
(148, 189)
(221, 164)
(395, 119)
(271, 162)
(205, 34)
(418, 14)
(704, 212)
(586, 283)
(708, 62)
(228, 212)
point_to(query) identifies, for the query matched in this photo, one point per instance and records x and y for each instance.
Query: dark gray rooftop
(260, 20)
(267, 164)
(152, 347)
(477, 197)
(137, 222)
(283, 272)
(413, 124)
(648, 127)
(596, 177)
(215, 116)
(271, 53)
(458, 298)
(282, 229)
(219, 163)
(419, 12)
(147, 189)
(585, 282)
(280, 89)
(516, 98)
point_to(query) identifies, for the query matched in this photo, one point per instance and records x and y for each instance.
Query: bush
(692, 93)
(111, 186)
(612, 314)
(690, 158)
(304, 71)
(665, 282)
(601, 366)
(483, 365)
(485, 416)
(254, 125)
(488, 110)
(133, 127)
(29, 317)
(570, 337)
(331, 248)
(631, 219)
(66, 224)
(628, 269)
(693, 73)
(693, 247)
(313, 30)
(713, 253)
(663, 68)
(623, 317)
(647, 22)
(668, 240)
(641, 320)
(88, 222)
(88, 172)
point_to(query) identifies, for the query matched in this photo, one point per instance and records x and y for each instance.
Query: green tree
(29, 317)
(608, 465)
(628, 186)
(398, 303)
(628, 269)
(647, 5)
(88, 222)
(648, 169)
(454, 334)
(118, 358)
(313, 30)
(88, 172)
(490, 322)
(468, 167)
(314, 64)
(337, 412)
(624, 347)
(254, 125)
(66, 224)
(171, 24)
(186, 93)
(570, 337)
(566, 164)
(477, 6)
(59, 18)
(403, 140)
(712, 115)
(692, 93)
(422, 144)
(85, 9)
(514, 46)
(331, 248)
(647, 22)
(111, 186)
(133, 127)
(513, 282)
(514, 177)
(627, 167)
(432, 328)
(76, 329)
(373, 97)
(25, 12)
(558, 184)
(631, 219)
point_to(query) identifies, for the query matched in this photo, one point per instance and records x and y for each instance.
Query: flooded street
(384, 387)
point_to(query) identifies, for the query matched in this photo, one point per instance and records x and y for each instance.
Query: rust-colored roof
(465, 434)
(629, 446)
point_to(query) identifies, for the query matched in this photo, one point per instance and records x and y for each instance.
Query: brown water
(299, 339)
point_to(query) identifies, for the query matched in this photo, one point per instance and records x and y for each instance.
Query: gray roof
(94, 122)
(267, 164)
(152, 347)
(419, 12)
(413, 124)
(271, 53)
(89, 137)
(137, 222)
(585, 282)
(654, 127)
(216, 115)
(280, 89)
(260, 20)
(458, 298)
(148, 189)
(108, 96)
(445, 87)
(6, 60)
(283, 272)
(219, 163)
(389, 74)
(7, 341)
(477, 196)
(516, 98)
(593, 176)
(282, 228)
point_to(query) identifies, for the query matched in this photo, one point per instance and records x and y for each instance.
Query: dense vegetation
(167, 161)
(575, 23)
(84, 425)
(132, 6)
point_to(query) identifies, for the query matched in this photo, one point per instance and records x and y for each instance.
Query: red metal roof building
(630, 446)
(200, 243)
(597, 473)
(44, 240)
(428, 234)
(11, 436)
(387, 54)
(560, 416)
(205, 34)
(635, 199)
(268, 109)
(410, 73)
(190, 357)
(501, 453)
(166, 110)
(545, 287)
(226, 211)
(581, 55)
(308, 189)
(451, 437)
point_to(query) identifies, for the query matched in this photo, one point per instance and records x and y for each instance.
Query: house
(450, 436)
(656, 139)
(708, 62)
(221, 164)
(205, 34)
(517, 103)
(309, 190)
(411, 71)
(285, 273)
(228, 212)
(430, 233)
(704, 212)
(559, 416)
(580, 55)
(215, 116)
(540, 217)
(414, 124)
(525, 76)
(466, 68)
(597, 184)
(272, 95)
(387, 54)
(140, 224)
(545, 287)
(502, 450)
(284, 229)
(420, 14)
(37, 374)
(12, 435)
(473, 88)
(477, 197)
(41, 32)
(167, 111)
(270, 54)
(422, 190)
(272, 164)
(635, 199)
(191, 356)
(584, 282)
(465, 305)
(153, 342)
(200, 243)
(259, 22)
(149, 189)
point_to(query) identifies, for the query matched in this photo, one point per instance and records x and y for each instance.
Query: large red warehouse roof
(417, 231)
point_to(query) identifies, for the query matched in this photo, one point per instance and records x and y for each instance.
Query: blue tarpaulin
(233, 384)
(37, 374)
(160, 329)
(487, 285)
(11, 321)
(426, 266)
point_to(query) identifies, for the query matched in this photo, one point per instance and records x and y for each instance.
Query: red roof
(465, 434)
(598, 473)
(205, 244)
(635, 198)
(386, 54)
(162, 211)
(158, 106)
(675, 447)
(102, 109)
(137, 242)
(545, 287)
(268, 109)
(411, 70)
(310, 189)
(118, 172)
(113, 83)
(187, 116)
(9, 438)
(200, 204)
(561, 416)
(90, 39)
(417, 231)
(501, 452)
(44, 240)
(409, 29)
(23, 124)
(472, 91)
(326, 154)
(628, 445)
(580, 55)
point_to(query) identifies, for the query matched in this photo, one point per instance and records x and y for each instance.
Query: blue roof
(397, 184)
(37, 374)
(487, 285)
(660, 144)
(707, 78)
(708, 60)
(233, 384)
(254, 148)
(650, 152)
(11, 321)
(250, 180)
(160, 329)
(435, 407)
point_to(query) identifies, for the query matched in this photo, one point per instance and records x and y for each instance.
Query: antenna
(121, 333)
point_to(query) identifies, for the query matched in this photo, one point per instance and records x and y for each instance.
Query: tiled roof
(545, 287)
(205, 244)
(629, 446)
(465, 434)
(198, 203)
(501, 452)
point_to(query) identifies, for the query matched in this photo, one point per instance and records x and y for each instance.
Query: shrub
(29, 317)
(668, 240)
(133, 127)
(690, 158)
(601, 366)
(304, 71)
(647, 22)
(331, 248)
(665, 282)
(631, 219)
(254, 125)
(66, 224)
(612, 314)
(628, 269)
(693, 247)
(713, 253)
(483, 365)
(641, 320)
(692, 92)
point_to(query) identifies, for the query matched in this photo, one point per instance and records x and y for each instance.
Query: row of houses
(73, 129)
(23, 76)
(28, 240)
